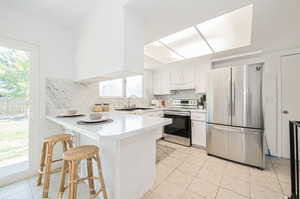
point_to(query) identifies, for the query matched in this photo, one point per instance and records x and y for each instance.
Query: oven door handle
(177, 113)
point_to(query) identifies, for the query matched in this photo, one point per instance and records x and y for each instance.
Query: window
(111, 88)
(134, 86)
(126, 87)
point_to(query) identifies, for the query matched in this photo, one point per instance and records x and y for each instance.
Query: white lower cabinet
(198, 133)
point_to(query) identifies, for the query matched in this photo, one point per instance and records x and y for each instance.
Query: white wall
(55, 46)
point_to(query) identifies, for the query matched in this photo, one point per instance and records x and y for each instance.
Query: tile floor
(188, 173)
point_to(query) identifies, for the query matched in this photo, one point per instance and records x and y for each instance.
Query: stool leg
(42, 164)
(101, 176)
(73, 179)
(62, 179)
(47, 170)
(65, 146)
(70, 142)
(90, 176)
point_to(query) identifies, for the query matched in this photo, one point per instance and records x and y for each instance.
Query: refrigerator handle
(228, 96)
(233, 97)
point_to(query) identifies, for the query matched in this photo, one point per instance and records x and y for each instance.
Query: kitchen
(186, 104)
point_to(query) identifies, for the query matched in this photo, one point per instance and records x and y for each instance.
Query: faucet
(130, 98)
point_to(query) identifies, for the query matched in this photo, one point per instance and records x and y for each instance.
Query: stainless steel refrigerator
(235, 114)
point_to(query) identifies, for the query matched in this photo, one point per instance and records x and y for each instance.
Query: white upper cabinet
(182, 78)
(161, 83)
(201, 77)
(148, 84)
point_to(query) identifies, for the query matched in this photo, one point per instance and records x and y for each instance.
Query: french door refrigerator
(235, 115)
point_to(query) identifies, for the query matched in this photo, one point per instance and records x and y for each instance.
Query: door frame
(280, 143)
(34, 107)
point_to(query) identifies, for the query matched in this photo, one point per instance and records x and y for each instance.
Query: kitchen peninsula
(128, 150)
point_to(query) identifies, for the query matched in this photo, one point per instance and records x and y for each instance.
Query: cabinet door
(164, 82)
(182, 78)
(156, 83)
(201, 78)
(148, 83)
(188, 76)
(176, 77)
(199, 133)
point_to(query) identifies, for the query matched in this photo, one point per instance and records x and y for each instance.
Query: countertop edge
(97, 137)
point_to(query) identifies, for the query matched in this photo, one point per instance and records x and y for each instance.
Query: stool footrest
(57, 170)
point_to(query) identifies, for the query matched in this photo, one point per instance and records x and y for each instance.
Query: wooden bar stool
(72, 158)
(46, 159)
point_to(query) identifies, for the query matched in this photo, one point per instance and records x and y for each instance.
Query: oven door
(180, 130)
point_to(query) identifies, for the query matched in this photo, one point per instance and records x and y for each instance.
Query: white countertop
(158, 109)
(122, 126)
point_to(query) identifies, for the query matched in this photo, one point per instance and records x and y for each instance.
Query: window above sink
(122, 87)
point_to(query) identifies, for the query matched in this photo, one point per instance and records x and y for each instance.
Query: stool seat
(81, 152)
(57, 138)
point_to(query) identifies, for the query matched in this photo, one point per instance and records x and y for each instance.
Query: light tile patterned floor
(188, 173)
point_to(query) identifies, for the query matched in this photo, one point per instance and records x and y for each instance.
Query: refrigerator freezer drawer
(217, 140)
(246, 146)
(237, 144)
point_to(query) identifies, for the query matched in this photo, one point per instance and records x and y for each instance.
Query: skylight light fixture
(187, 43)
(229, 31)
(161, 53)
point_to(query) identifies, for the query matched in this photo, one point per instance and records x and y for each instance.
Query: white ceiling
(67, 13)
(275, 22)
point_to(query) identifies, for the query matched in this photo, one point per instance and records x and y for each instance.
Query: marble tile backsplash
(179, 94)
(62, 94)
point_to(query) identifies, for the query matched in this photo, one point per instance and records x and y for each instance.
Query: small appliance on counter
(155, 103)
(202, 102)
(158, 103)
(162, 104)
(101, 108)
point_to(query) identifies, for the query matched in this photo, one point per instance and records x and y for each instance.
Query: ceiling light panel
(187, 43)
(229, 31)
(159, 52)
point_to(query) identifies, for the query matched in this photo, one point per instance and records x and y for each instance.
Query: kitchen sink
(133, 109)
